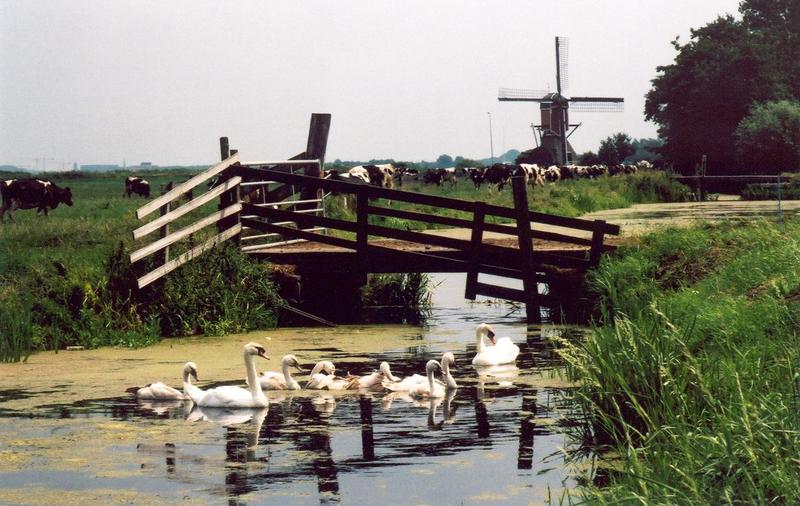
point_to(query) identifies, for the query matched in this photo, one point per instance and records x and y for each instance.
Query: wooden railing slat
(185, 186)
(184, 232)
(185, 257)
(185, 208)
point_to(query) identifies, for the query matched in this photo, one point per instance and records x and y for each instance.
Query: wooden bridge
(276, 210)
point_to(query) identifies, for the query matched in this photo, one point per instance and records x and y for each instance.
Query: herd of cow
(44, 195)
(29, 193)
(500, 174)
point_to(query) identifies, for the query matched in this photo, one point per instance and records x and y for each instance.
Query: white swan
(271, 380)
(375, 380)
(160, 391)
(319, 374)
(448, 359)
(323, 378)
(503, 350)
(238, 397)
(430, 389)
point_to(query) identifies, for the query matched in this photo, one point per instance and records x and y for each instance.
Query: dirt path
(644, 217)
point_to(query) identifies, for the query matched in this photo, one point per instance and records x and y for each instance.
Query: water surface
(70, 434)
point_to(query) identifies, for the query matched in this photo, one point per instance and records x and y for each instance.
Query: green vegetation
(790, 191)
(727, 67)
(407, 296)
(65, 280)
(768, 139)
(692, 383)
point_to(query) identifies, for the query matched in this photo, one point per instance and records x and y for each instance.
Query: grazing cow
(405, 174)
(644, 165)
(359, 172)
(476, 175)
(381, 175)
(534, 175)
(552, 173)
(433, 176)
(29, 193)
(137, 185)
(499, 174)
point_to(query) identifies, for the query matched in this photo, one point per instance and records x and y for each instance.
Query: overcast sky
(105, 81)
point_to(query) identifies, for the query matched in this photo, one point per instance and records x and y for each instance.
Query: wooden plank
(298, 234)
(185, 186)
(302, 219)
(185, 257)
(185, 208)
(502, 292)
(184, 232)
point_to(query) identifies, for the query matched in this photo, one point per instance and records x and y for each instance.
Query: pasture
(66, 277)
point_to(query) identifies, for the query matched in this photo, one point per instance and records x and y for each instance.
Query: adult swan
(502, 351)
(237, 397)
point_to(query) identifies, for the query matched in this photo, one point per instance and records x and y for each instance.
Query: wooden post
(315, 149)
(163, 255)
(476, 240)
(598, 235)
(229, 197)
(526, 250)
(362, 234)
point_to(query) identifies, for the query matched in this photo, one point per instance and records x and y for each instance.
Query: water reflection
(369, 447)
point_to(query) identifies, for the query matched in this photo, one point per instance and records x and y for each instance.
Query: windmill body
(555, 128)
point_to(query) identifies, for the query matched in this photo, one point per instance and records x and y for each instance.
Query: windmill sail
(596, 104)
(521, 95)
(562, 63)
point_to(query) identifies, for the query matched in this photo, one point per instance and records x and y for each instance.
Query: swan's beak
(491, 336)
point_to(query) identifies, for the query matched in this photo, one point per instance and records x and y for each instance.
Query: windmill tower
(555, 127)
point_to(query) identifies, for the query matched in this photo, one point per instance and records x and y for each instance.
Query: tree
(589, 158)
(615, 149)
(645, 149)
(444, 161)
(768, 139)
(727, 65)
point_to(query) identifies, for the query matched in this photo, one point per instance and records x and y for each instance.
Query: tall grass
(693, 379)
(406, 296)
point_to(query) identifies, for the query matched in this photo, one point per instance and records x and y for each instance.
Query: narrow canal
(71, 434)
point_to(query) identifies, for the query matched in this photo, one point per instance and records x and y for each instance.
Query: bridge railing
(171, 211)
(472, 256)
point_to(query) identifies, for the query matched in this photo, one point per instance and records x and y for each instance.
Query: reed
(692, 381)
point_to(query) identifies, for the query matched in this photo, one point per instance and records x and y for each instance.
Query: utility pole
(491, 142)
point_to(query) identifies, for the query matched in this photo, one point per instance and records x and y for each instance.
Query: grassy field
(692, 379)
(65, 279)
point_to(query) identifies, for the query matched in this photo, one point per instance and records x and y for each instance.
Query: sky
(95, 81)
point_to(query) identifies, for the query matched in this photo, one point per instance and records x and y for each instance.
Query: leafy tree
(615, 149)
(725, 67)
(589, 158)
(645, 149)
(444, 161)
(768, 139)
(463, 163)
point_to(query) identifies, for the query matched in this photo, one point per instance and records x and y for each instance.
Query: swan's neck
(430, 380)
(252, 378)
(187, 378)
(287, 375)
(479, 341)
(451, 383)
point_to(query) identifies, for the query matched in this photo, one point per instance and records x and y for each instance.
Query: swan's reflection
(161, 407)
(448, 413)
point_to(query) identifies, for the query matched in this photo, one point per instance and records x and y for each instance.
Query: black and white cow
(499, 174)
(29, 193)
(137, 185)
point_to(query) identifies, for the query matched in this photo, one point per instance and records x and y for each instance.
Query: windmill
(555, 128)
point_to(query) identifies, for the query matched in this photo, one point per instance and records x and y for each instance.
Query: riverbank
(691, 379)
(66, 280)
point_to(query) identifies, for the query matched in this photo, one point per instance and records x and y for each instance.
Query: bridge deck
(318, 257)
